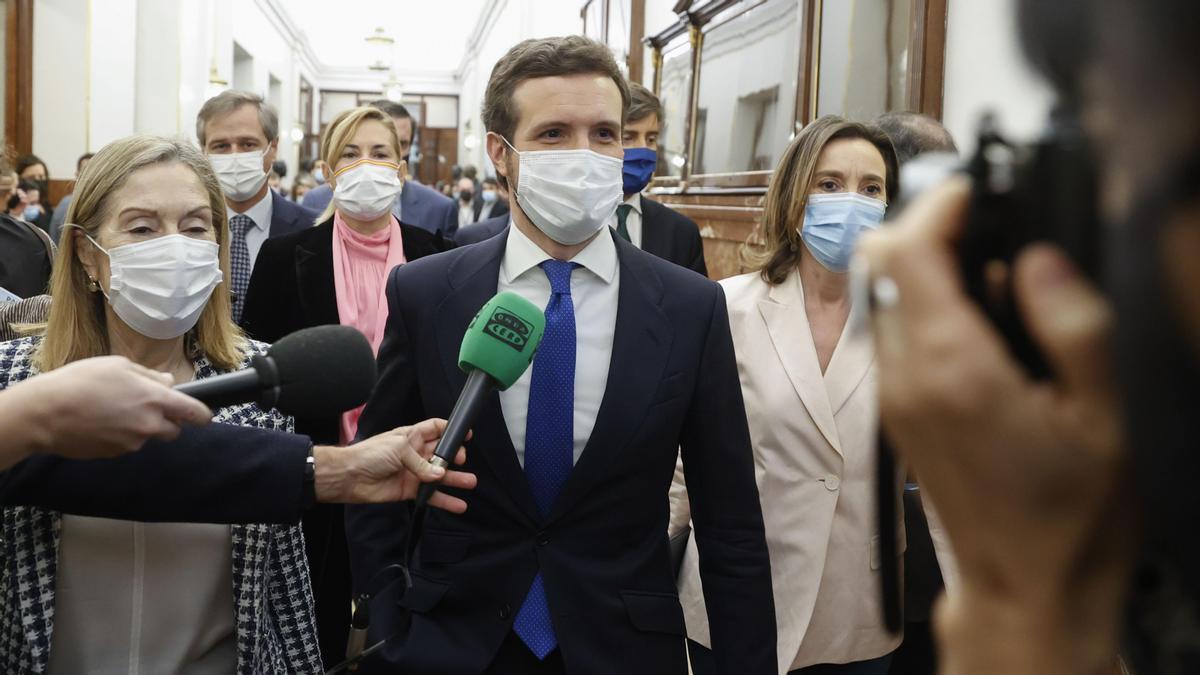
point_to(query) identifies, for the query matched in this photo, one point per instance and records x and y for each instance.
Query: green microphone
(496, 350)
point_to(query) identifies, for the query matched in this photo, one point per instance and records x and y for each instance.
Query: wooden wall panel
(18, 76)
(58, 190)
(725, 221)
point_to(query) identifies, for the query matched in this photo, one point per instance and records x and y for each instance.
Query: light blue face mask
(833, 222)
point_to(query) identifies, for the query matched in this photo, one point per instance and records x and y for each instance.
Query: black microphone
(314, 371)
(496, 350)
(360, 622)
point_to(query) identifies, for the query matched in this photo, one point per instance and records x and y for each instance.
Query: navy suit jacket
(287, 216)
(216, 473)
(603, 552)
(484, 229)
(672, 236)
(420, 205)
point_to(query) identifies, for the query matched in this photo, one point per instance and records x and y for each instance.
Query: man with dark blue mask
(645, 223)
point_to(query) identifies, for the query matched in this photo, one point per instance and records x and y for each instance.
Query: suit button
(832, 482)
(505, 612)
(543, 539)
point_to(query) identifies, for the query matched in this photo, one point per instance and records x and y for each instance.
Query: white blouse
(136, 597)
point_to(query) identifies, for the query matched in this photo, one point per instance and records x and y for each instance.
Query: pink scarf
(361, 265)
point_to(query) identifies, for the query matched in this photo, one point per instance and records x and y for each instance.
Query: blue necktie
(549, 437)
(239, 262)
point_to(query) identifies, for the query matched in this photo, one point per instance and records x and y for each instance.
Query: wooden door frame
(18, 76)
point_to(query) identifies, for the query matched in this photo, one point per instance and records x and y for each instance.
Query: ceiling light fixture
(380, 44)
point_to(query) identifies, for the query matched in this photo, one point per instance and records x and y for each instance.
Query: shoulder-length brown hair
(779, 242)
(76, 328)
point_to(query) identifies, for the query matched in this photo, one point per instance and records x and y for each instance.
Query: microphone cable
(361, 616)
(361, 603)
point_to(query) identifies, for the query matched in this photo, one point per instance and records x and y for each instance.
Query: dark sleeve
(43, 220)
(270, 295)
(217, 473)
(450, 220)
(718, 465)
(375, 533)
(419, 242)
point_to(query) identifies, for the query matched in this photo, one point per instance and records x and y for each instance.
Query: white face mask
(241, 173)
(159, 287)
(367, 188)
(568, 194)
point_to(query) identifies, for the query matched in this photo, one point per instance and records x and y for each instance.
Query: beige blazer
(814, 439)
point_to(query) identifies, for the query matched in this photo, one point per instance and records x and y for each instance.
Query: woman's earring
(93, 285)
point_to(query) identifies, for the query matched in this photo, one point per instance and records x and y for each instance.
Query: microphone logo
(508, 328)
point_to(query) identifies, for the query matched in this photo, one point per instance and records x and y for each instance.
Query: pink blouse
(361, 264)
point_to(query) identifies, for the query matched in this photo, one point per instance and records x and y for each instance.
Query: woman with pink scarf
(336, 273)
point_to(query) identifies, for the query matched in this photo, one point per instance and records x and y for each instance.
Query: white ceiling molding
(483, 26)
(277, 13)
(359, 78)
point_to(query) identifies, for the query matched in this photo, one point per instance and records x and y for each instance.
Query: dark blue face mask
(638, 169)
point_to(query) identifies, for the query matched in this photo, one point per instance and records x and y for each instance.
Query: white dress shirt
(633, 222)
(261, 214)
(594, 288)
(485, 211)
(466, 214)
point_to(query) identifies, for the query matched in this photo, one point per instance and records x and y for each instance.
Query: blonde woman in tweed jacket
(136, 277)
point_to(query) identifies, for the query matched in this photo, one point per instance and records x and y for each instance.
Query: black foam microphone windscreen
(323, 369)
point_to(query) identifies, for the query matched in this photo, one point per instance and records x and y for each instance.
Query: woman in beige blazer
(809, 388)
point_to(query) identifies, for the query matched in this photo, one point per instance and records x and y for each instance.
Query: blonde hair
(76, 328)
(337, 136)
(777, 251)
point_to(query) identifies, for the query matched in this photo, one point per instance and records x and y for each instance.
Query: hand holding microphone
(390, 467)
(496, 350)
(328, 369)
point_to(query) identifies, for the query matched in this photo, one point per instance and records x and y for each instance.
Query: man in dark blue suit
(420, 205)
(561, 562)
(239, 132)
(647, 224)
(488, 227)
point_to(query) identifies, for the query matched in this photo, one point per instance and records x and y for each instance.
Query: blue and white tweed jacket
(276, 630)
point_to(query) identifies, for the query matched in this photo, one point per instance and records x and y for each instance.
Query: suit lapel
(473, 279)
(849, 364)
(314, 275)
(31, 543)
(249, 582)
(641, 344)
(787, 324)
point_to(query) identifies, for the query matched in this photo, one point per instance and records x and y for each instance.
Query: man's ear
(497, 151)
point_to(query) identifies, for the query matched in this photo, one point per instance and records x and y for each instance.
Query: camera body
(1023, 194)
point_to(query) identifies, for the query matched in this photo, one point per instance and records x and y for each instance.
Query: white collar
(260, 214)
(635, 200)
(521, 255)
